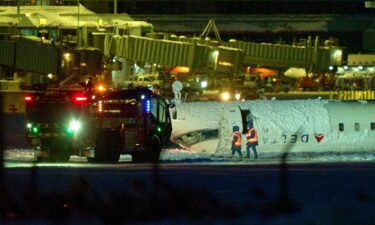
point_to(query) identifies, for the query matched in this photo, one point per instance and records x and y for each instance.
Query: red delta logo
(292, 139)
(319, 137)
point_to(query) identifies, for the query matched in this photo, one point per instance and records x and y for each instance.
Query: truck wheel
(155, 149)
(60, 152)
(107, 147)
(152, 154)
(139, 157)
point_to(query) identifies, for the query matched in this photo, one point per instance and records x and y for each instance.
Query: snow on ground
(188, 155)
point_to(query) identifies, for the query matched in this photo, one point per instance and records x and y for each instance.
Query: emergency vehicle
(101, 127)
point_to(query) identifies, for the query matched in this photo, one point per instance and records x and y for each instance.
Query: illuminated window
(357, 127)
(162, 108)
(372, 126)
(341, 127)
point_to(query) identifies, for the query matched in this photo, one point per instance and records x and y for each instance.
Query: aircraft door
(230, 116)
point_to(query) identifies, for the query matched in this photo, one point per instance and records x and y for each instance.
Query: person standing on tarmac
(177, 88)
(236, 141)
(252, 141)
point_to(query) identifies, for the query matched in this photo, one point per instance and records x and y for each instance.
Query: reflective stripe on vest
(254, 138)
(238, 142)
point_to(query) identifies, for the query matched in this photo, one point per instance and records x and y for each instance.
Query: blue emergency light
(148, 106)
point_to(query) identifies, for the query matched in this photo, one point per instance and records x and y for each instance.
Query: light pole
(368, 34)
(78, 12)
(18, 7)
(115, 7)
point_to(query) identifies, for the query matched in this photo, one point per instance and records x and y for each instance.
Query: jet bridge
(196, 52)
(30, 54)
(197, 56)
(277, 55)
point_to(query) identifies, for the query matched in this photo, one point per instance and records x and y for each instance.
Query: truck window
(162, 109)
(158, 110)
(154, 107)
(49, 113)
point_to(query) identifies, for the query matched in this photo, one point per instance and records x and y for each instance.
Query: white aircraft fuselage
(295, 125)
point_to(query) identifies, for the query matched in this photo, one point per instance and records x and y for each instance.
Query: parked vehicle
(152, 81)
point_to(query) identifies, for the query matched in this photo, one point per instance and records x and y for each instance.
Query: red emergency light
(28, 98)
(80, 99)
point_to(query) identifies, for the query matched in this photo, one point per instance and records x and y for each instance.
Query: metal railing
(352, 95)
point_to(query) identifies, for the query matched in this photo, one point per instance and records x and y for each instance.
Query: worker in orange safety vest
(236, 141)
(252, 141)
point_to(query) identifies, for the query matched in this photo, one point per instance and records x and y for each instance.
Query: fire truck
(99, 126)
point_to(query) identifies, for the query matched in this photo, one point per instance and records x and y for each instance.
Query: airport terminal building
(348, 22)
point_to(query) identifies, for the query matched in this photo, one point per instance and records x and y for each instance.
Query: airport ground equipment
(61, 123)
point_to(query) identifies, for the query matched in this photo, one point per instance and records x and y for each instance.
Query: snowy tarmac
(180, 155)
